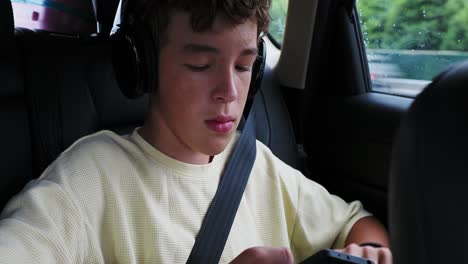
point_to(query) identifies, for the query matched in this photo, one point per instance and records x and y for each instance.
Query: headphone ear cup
(258, 69)
(125, 60)
(146, 46)
(135, 60)
(257, 75)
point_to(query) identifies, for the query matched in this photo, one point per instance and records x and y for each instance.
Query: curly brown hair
(156, 13)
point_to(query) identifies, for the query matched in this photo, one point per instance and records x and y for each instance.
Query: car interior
(316, 112)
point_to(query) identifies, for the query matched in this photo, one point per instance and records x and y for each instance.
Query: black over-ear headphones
(135, 56)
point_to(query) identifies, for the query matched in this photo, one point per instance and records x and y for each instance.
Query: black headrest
(10, 80)
(429, 178)
(7, 25)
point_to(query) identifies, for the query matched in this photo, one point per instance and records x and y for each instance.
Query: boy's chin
(217, 146)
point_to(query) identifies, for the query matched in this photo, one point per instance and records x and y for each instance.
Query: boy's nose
(227, 90)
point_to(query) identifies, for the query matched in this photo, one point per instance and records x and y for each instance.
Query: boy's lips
(221, 124)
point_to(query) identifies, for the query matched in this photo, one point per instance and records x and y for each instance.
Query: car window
(278, 12)
(62, 16)
(409, 42)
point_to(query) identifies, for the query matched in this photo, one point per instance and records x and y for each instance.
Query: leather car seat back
(72, 92)
(429, 177)
(15, 140)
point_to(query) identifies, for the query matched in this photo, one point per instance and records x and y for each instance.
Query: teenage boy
(142, 198)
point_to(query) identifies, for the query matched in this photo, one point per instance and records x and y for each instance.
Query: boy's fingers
(377, 255)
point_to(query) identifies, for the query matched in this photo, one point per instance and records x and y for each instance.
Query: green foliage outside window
(415, 24)
(278, 15)
(420, 38)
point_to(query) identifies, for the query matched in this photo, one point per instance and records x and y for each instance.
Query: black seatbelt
(209, 244)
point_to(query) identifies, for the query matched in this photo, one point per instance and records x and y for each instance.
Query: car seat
(428, 200)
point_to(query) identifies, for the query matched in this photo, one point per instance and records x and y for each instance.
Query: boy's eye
(197, 68)
(243, 68)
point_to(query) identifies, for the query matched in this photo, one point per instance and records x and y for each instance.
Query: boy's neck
(154, 135)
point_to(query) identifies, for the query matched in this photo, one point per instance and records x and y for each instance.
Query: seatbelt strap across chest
(209, 244)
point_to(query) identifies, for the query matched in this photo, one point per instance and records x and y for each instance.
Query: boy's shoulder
(103, 147)
(264, 158)
(101, 142)
(267, 160)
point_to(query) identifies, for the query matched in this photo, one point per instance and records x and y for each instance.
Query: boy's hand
(381, 255)
(266, 255)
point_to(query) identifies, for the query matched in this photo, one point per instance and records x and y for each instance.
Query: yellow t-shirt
(114, 199)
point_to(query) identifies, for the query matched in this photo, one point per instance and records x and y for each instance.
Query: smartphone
(328, 256)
